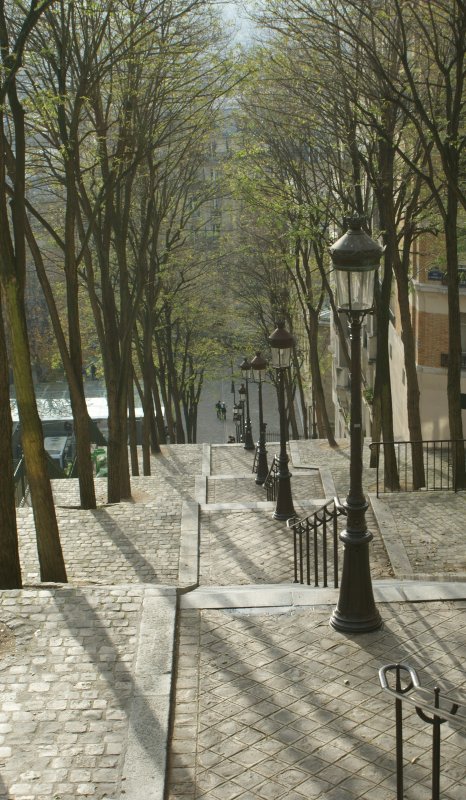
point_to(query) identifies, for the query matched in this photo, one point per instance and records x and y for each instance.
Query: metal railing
(271, 482)
(311, 544)
(270, 436)
(438, 461)
(21, 482)
(406, 687)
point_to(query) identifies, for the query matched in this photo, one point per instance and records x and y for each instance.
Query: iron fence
(437, 460)
(311, 544)
(432, 707)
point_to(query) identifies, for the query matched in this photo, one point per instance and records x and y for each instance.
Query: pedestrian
(93, 372)
(223, 410)
(218, 406)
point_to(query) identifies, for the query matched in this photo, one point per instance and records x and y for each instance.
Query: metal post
(248, 440)
(399, 737)
(262, 467)
(315, 435)
(356, 611)
(284, 508)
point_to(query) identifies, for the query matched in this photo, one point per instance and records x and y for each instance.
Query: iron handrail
(20, 482)
(306, 540)
(438, 461)
(271, 482)
(425, 701)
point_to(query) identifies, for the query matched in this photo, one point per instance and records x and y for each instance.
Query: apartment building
(429, 309)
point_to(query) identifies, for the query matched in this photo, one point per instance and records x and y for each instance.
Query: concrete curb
(188, 569)
(144, 769)
(289, 595)
(259, 505)
(206, 459)
(200, 489)
(394, 546)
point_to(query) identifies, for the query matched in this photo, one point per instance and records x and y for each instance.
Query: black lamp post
(355, 258)
(237, 419)
(281, 343)
(241, 404)
(258, 366)
(315, 435)
(245, 368)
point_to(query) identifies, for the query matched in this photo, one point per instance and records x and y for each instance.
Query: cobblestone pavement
(231, 460)
(267, 704)
(124, 543)
(280, 705)
(432, 527)
(246, 490)
(247, 547)
(65, 690)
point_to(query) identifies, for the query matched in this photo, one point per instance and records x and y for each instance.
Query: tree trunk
(10, 568)
(12, 276)
(454, 339)
(132, 428)
(382, 404)
(52, 565)
(323, 420)
(75, 383)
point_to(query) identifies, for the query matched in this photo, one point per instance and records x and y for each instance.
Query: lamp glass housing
(281, 357)
(258, 367)
(355, 288)
(245, 368)
(281, 345)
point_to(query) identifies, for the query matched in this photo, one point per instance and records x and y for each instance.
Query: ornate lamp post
(355, 257)
(258, 366)
(281, 343)
(245, 368)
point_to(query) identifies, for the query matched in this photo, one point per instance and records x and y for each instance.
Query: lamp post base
(262, 466)
(356, 611)
(345, 624)
(284, 509)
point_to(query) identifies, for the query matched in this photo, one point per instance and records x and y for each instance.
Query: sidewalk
(187, 594)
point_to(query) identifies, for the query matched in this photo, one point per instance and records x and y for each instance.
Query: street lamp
(245, 368)
(258, 367)
(281, 344)
(355, 257)
(237, 419)
(315, 435)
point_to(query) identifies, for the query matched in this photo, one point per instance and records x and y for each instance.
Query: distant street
(53, 398)
(214, 431)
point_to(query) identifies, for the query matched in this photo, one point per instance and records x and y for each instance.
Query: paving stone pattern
(247, 547)
(318, 453)
(231, 460)
(246, 490)
(121, 543)
(65, 690)
(273, 705)
(268, 705)
(244, 547)
(432, 528)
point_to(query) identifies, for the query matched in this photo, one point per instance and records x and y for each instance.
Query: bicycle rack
(425, 701)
